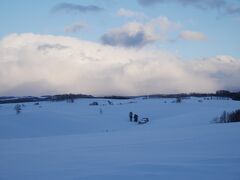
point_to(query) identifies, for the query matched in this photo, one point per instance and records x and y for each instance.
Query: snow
(72, 141)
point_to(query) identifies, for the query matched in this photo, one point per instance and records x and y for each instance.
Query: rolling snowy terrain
(75, 141)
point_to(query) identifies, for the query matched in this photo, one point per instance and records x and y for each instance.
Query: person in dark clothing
(135, 118)
(131, 116)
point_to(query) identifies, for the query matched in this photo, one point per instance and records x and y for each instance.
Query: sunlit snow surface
(74, 141)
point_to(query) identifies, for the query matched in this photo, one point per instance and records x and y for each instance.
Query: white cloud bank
(33, 64)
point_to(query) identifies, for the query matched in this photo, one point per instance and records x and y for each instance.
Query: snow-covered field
(74, 141)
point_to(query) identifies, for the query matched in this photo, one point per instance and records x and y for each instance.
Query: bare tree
(18, 108)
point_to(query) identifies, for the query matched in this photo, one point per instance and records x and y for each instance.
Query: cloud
(192, 36)
(164, 24)
(137, 34)
(68, 7)
(76, 27)
(232, 9)
(131, 35)
(44, 47)
(203, 4)
(130, 14)
(221, 5)
(93, 68)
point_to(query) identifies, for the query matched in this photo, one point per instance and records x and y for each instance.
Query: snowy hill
(72, 141)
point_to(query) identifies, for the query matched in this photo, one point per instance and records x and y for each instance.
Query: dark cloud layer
(124, 39)
(221, 5)
(68, 7)
(233, 9)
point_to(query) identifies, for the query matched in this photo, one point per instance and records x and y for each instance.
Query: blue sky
(119, 47)
(222, 30)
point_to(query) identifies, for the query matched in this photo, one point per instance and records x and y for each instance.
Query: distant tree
(178, 100)
(234, 116)
(228, 117)
(224, 117)
(70, 100)
(110, 102)
(17, 108)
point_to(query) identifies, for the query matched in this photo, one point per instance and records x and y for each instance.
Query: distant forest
(72, 97)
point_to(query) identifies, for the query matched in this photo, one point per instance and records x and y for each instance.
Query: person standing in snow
(135, 118)
(131, 116)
